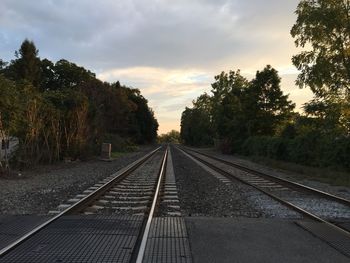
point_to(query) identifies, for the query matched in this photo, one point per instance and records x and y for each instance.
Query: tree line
(170, 137)
(254, 117)
(61, 110)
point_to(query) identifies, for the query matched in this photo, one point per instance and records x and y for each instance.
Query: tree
(73, 110)
(69, 75)
(10, 107)
(228, 91)
(143, 124)
(196, 127)
(3, 65)
(61, 110)
(224, 89)
(237, 109)
(204, 102)
(171, 137)
(48, 77)
(10, 115)
(323, 25)
(27, 65)
(265, 105)
(331, 115)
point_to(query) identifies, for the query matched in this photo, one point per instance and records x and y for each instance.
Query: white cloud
(169, 91)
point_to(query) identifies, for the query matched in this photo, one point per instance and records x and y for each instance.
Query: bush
(304, 149)
(119, 144)
(311, 149)
(272, 147)
(337, 152)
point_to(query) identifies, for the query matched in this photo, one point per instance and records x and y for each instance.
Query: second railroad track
(313, 204)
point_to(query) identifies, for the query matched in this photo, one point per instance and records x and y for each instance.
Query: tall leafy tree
(323, 25)
(237, 109)
(228, 91)
(70, 75)
(143, 126)
(10, 116)
(27, 66)
(48, 77)
(266, 106)
(196, 123)
(332, 115)
(10, 106)
(196, 128)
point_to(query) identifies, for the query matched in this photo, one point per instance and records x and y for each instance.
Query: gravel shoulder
(44, 188)
(341, 191)
(201, 194)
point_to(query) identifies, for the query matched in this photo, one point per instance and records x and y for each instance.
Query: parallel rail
(278, 179)
(283, 182)
(90, 198)
(142, 248)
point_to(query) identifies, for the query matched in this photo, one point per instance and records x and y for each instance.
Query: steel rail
(82, 202)
(282, 201)
(277, 179)
(147, 228)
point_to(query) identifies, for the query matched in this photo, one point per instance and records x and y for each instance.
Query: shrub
(310, 149)
(119, 144)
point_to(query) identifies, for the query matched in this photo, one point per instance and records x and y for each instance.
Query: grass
(115, 155)
(130, 148)
(330, 175)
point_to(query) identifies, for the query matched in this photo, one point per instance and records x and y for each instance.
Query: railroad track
(127, 192)
(313, 204)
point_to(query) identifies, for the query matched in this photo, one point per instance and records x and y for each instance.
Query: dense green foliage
(311, 149)
(323, 25)
(171, 137)
(196, 125)
(256, 118)
(237, 110)
(325, 68)
(61, 110)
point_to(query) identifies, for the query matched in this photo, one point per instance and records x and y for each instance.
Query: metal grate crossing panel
(168, 227)
(78, 239)
(168, 241)
(345, 225)
(336, 239)
(14, 226)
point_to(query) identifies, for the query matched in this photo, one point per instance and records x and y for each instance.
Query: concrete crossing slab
(256, 240)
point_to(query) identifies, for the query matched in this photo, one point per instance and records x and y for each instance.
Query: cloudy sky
(169, 49)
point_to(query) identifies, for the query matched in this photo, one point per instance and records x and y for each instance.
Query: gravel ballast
(134, 194)
(315, 204)
(43, 189)
(341, 191)
(201, 194)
